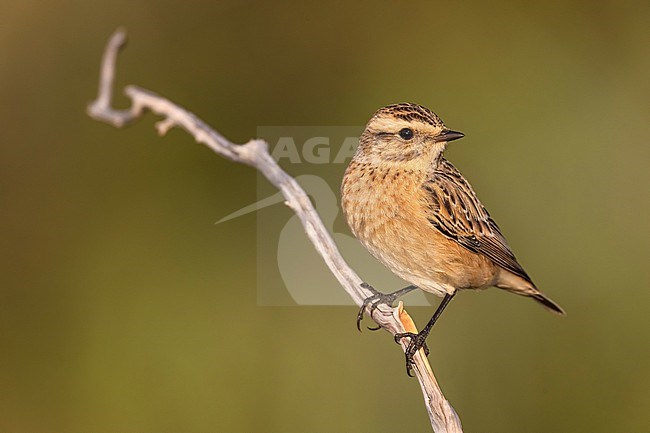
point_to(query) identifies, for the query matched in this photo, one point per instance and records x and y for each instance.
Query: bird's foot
(378, 298)
(417, 342)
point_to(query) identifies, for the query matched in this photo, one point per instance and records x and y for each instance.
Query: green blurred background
(123, 308)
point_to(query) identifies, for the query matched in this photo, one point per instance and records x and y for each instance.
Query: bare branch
(255, 153)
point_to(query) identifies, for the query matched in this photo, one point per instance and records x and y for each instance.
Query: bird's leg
(379, 298)
(418, 341)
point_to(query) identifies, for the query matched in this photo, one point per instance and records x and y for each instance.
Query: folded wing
(456, 212)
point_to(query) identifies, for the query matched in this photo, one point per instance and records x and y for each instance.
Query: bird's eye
(406, 133)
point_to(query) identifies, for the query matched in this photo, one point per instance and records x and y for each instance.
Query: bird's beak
(448, 135)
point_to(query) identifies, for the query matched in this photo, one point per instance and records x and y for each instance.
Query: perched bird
(416, 213)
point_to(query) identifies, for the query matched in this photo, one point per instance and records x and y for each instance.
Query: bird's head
(404, 134)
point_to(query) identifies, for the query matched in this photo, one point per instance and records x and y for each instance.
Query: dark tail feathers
(548, 304)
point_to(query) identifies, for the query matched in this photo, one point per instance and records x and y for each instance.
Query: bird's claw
(417, 342)
(374, 300)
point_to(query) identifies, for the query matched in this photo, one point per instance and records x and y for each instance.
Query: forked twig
(255, 153)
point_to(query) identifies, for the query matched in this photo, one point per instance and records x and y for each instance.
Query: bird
(418, 215)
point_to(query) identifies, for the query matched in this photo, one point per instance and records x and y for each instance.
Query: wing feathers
(457, 213)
